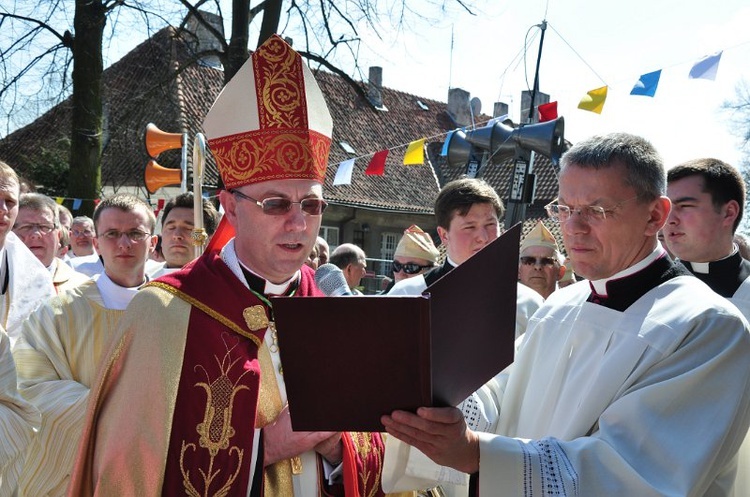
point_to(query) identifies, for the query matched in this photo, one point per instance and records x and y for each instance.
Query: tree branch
(354, 84)
(39, 23)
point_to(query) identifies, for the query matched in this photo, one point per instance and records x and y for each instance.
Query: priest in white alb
(634, 383)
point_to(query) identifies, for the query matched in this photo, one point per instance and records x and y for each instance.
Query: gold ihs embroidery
(255, 317)
(215, 431)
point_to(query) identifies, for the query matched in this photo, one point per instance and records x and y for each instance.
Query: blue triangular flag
(647, 84)
(706, 67)
(77, 203)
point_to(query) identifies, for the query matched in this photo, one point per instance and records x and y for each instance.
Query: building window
(388, 243)
(331, 235)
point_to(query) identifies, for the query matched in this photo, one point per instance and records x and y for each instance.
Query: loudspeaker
(157, 141)
(156, 176)
(501, 140)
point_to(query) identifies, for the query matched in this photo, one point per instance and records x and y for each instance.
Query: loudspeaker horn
(156, 176)
(501, 140)
(157, 141)
(458, 150)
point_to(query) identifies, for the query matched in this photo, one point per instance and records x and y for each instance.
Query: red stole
(211, 442)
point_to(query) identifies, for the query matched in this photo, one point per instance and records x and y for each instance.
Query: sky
(588, 44)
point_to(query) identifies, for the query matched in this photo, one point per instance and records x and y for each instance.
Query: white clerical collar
(51, 268)
(114, 296)
(229, 255)
(450, 261)
(600, 286)
(704, 267)
(3, 270)
(273, 288)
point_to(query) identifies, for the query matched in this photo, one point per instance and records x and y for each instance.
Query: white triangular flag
(344, 173)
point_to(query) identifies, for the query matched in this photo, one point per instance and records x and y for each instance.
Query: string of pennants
(705, 68)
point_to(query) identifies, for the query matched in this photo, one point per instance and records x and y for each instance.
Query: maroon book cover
(349, 360)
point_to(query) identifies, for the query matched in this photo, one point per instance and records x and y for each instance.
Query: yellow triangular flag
(414, 155)
(60, 200)
(594, 100)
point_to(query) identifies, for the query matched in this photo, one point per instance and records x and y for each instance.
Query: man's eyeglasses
(589, 213)
(528, 260)
(86, 233)
(26, 229)
(278, 206)
(408, 267)
(133, 235)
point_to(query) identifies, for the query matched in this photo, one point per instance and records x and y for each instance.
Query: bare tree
(60, 61)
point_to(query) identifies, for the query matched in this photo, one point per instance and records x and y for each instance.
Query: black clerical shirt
(724, 276)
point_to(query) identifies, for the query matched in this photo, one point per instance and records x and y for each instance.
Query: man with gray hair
(353, 263)
(636, 384)
(38, 226)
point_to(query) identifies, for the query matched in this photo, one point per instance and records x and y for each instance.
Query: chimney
(459, 107)
(201, 39)
(375, 87)
(501, 109)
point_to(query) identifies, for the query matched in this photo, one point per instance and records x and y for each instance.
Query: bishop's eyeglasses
(278, 206)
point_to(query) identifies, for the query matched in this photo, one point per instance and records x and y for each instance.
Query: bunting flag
(446, 142)
(414, 153)
(594, 100)
(77, 204)
(647, 84)
(547, 112)
(706, 67)
(344, 173)
(377, 164)
(59, 200)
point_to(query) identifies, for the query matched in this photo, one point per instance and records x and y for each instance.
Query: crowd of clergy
(121, 375)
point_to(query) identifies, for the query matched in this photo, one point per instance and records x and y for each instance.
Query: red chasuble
(211, 441)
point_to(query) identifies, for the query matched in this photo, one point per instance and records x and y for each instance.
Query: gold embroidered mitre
(270, 121)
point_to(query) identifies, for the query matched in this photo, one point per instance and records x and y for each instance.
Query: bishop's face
(274, 246)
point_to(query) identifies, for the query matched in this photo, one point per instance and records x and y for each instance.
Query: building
(160, 82)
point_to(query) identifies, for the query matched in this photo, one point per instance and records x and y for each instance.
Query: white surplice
(650, 401)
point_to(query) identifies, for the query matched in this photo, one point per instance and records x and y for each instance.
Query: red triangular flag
(224, 232)
(377, 164)
(547, 112)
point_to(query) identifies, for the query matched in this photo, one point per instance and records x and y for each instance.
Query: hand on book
(440, 433)
(280, 442)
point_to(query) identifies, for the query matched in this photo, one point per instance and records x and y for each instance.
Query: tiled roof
(141, 88)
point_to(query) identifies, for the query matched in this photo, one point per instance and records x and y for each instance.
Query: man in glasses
(539, 265)
(62, 344)
(38, 226)
(415, 254)
(198, 363)
(636, 384)
(708, 200)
